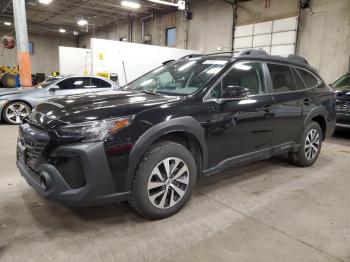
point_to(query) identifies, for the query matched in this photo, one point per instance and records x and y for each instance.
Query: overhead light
(75, 33)
(131, 4)
(45, 2)
(181, 5)
(62, 30)
(8, 23)
(82, 22)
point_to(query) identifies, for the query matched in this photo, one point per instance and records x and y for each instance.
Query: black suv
(149, 142)
(342, 90)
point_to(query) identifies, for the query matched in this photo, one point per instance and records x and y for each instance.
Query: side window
(309, 80)
(248, 75)
(74, 83)
(282, 78)
(99, 83)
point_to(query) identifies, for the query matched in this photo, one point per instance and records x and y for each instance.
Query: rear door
(290, 96)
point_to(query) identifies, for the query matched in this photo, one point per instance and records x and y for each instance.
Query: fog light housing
(45, 181)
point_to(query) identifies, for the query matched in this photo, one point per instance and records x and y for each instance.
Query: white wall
(45, 57)
(130, 60)
(325, 37)
(75, 61)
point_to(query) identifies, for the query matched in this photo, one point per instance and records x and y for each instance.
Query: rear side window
(99, 83)
(298, 81)
(282, 78)
(309, 80)
(74, 83)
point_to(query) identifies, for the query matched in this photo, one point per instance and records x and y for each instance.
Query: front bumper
(343, 120)
(98, 189)
(2, 106)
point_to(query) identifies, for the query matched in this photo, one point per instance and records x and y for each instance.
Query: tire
(148, 184)
(309, 151)
(14, 112)
(8, 81)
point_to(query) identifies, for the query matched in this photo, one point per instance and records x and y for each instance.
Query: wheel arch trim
(182, 124)
(318, 111)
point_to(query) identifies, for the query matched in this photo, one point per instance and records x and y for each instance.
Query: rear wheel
(164, 181)
(14, 112)
(311, 143)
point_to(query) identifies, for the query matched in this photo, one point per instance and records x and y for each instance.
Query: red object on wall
(9, 42)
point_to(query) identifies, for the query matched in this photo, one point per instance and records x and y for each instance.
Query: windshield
(183, 77)
(47, 82)
(342, 83)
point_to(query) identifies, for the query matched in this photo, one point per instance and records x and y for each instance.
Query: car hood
(14, 91)
(95, 106)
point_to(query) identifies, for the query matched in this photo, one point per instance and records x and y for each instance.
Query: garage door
(277, 37)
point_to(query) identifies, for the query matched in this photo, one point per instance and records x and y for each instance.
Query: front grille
(343, 107)
(34, 142)
(34, 150)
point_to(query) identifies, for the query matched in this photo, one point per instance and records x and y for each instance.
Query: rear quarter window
(310, 80)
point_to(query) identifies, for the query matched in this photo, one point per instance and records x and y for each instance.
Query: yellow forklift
(8, 76)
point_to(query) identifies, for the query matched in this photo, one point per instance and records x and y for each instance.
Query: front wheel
(311, 144)
(164, 181)
(14, 112)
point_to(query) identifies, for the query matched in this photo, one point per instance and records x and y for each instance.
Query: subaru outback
(150, 141)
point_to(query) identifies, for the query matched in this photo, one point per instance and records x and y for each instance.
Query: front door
(241, 126)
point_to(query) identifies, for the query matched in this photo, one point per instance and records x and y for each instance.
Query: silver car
(15, 104)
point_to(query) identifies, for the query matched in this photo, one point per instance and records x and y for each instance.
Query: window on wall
(171, 36)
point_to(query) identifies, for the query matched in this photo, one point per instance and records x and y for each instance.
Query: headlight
(93, 131)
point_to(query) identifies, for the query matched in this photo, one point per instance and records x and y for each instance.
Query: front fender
(182, 124)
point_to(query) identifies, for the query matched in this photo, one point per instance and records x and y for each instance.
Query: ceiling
(65, 13)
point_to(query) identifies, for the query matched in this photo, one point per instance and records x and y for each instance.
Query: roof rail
(190, 56)
(222, 53)
(298, 59)
(256, 52)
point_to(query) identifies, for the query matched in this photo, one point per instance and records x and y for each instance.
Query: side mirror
(54, 88)
(114, 77)
(235, 92)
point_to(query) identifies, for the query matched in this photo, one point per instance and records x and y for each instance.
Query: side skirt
(251, 157)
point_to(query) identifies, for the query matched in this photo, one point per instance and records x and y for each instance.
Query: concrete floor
(267, 211)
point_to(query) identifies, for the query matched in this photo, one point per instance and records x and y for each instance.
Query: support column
(19, 10)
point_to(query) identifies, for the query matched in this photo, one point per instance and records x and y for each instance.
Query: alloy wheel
(312, 144)
(168, 183)
(16, 112)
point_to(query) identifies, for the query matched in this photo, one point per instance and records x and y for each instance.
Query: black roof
(262, 55)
